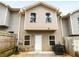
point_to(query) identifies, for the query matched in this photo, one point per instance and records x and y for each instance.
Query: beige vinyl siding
(21, 30)
(14, 22)
(74, 23)
(69, 26)
(65, 27)
(40, 19)
(7, 17)
(4, 16)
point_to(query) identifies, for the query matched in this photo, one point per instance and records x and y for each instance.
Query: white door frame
(38, 43)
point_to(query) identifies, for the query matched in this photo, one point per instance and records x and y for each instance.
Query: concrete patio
(38, 54)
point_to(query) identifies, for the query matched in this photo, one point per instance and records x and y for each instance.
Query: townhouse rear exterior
(37, 27)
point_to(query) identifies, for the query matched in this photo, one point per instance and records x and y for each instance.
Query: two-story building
(39, 27)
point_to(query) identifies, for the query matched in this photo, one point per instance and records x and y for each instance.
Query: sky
(64, 6)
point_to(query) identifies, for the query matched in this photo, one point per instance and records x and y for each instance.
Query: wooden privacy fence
(72, 45)
(7, 43)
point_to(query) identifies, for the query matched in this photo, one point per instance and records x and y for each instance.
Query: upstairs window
(48, 17)
(33, 17)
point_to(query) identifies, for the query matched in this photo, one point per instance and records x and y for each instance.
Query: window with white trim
(48, 17)
(33, 17)
(27, 40)
(52, 40)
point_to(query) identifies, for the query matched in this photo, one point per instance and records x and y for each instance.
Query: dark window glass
(33, 14)
(27, 40)
(52, 37)
(33, 17)
(27, 43)
(78, 18)
(27, 37)
(48, 18)
(52, 42)
(47, 14)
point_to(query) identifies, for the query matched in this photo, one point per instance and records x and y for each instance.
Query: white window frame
(27, 40)
(31, 17)
(50, 40)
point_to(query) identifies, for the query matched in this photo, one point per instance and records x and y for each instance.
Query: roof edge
(40, 3)
(10, 8)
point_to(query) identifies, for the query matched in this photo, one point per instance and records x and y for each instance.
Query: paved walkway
(38, 54)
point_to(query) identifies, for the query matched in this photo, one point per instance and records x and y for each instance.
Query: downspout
(61, 26)
(71, 26)
(19, 30)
